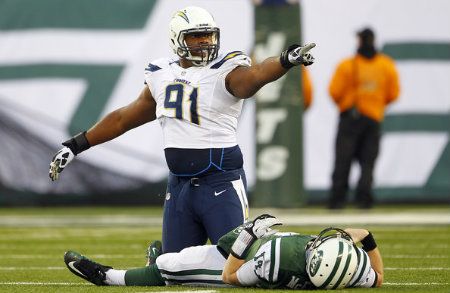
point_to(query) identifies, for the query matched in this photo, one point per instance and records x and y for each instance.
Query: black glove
(64, 156)
(296, 55)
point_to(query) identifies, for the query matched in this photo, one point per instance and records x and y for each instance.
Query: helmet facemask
(204, 53)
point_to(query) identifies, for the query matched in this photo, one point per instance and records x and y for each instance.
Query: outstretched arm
(244, 82)
(141, 111)
(369, 245)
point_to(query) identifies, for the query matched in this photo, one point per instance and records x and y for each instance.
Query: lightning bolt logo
(183, 15)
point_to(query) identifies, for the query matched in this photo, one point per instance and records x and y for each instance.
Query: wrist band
(284, 57)
(242, 244)
(368, 243)
(78, 143)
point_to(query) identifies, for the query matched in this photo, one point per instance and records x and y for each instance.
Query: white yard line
(414, 245)
(87, 284)
(30, 268)
(414, 284)
(189, 291)
(94, 256)
(45, 283)
(128, 256)
(292, 219)
(368, 219)
(402, 256)
(63, 268)
(417, 269)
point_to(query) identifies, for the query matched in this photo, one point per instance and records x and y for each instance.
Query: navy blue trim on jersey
(227, 57)
(202, 162)
(152, 68)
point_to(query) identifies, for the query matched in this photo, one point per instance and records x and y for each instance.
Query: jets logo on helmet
(315, 263)
(194, 20)
(332, 259)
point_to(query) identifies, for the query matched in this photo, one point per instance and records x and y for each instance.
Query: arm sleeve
(230, 62)
(365, 276)
(306, 88)
(339, 82)
(393, 89)
(152, 69)
(246, 274)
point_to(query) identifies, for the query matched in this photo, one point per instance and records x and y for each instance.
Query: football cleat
(85, 268)
(153, 251)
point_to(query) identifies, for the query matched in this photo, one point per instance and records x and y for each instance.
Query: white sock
(115, 277)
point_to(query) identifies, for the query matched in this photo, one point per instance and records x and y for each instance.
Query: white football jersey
(193, 106)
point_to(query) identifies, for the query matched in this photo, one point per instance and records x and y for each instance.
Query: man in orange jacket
(361, 87)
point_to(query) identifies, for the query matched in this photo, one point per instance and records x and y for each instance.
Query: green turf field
(33, 241)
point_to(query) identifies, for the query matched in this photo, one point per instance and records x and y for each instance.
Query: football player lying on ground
(254, 255)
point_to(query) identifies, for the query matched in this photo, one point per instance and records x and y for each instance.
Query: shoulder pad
(158, 64)
(152, 67)
(237, 56)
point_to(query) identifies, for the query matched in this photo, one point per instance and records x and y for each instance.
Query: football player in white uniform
(254, 255)
(197, 99)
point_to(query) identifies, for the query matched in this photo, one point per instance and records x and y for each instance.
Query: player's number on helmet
(176, 101)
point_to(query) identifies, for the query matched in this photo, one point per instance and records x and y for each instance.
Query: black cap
(366, 33)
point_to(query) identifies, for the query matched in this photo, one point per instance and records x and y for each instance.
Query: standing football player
(197, 99)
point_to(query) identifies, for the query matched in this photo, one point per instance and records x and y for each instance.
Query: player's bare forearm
(106, 129)
(244, 82)
(357, 234)
(232, 265)
(377, 264)
(116, 123)
(269, 70)
(376, 260)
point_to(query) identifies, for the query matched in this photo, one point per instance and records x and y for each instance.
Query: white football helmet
(194, 20)
(331, 260)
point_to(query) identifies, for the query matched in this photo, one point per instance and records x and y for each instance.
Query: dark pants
(357, 139)
(198, 209)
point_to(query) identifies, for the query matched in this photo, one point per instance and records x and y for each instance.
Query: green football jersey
(279, 259)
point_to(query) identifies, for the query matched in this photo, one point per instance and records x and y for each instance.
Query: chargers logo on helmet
(194, 20)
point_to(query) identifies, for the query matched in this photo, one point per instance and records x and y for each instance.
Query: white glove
(262, 225)
(252, 231)
(61, 159)
(296, 55)
(300, 55)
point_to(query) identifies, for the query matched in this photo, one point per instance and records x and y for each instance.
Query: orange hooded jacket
(306, 88)
(367, 84)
